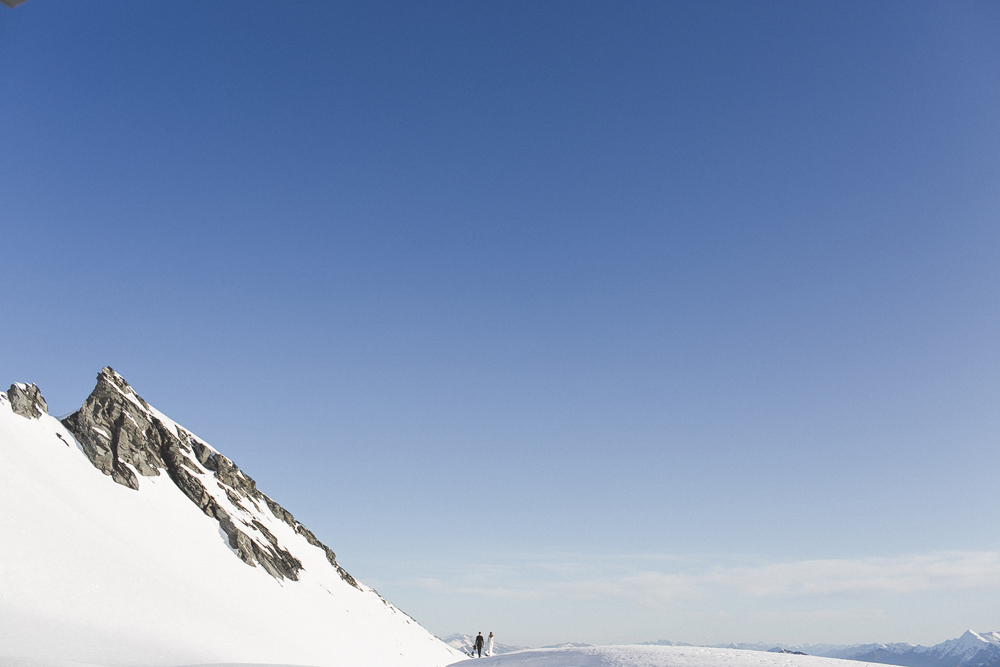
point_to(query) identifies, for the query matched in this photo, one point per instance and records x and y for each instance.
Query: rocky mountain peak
(26, 400)
(127, 439)
(109, 377)
(118, 432)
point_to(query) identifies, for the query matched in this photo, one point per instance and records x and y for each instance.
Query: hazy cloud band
(630, 577)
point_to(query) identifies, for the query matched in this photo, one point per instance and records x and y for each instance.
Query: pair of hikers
(478, 645)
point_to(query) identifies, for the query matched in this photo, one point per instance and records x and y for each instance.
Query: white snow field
(95, 573)
(658, 656)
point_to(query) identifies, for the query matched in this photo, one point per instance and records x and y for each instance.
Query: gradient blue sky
(570, 321)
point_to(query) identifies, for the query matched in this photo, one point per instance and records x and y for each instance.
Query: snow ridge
(126, 438)
(128, 541)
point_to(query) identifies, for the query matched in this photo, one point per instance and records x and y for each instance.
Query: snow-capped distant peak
(969, 650)
(971, 642)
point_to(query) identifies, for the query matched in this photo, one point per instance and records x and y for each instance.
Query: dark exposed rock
(280, 512)
(114, 428)
(26, 400)
(330, 556)
(124, 437)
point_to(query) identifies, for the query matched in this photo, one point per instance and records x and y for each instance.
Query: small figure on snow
(489, 645)
(479, 644)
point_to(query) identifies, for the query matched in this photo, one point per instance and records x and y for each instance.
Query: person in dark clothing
(479, 644)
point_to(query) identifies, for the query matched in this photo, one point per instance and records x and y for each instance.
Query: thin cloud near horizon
(847, 577)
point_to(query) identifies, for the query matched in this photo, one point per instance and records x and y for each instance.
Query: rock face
(125, 438)
(129, 540)
(26, 400)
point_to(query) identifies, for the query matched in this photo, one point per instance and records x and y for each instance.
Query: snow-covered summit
(127, 540)
(968, 645)
(969, 650)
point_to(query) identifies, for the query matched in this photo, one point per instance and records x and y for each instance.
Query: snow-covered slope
(135, 543)
(654, 656)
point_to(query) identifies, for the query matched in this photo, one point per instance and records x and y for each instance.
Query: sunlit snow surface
(597, 656)
(96, 573)
(657, 656)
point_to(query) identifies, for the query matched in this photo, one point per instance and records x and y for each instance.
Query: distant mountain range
(972, 649)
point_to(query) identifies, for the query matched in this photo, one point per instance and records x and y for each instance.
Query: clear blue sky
(570, 321)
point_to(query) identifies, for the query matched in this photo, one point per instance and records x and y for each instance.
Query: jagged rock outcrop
(125, 438)
(26, 400)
